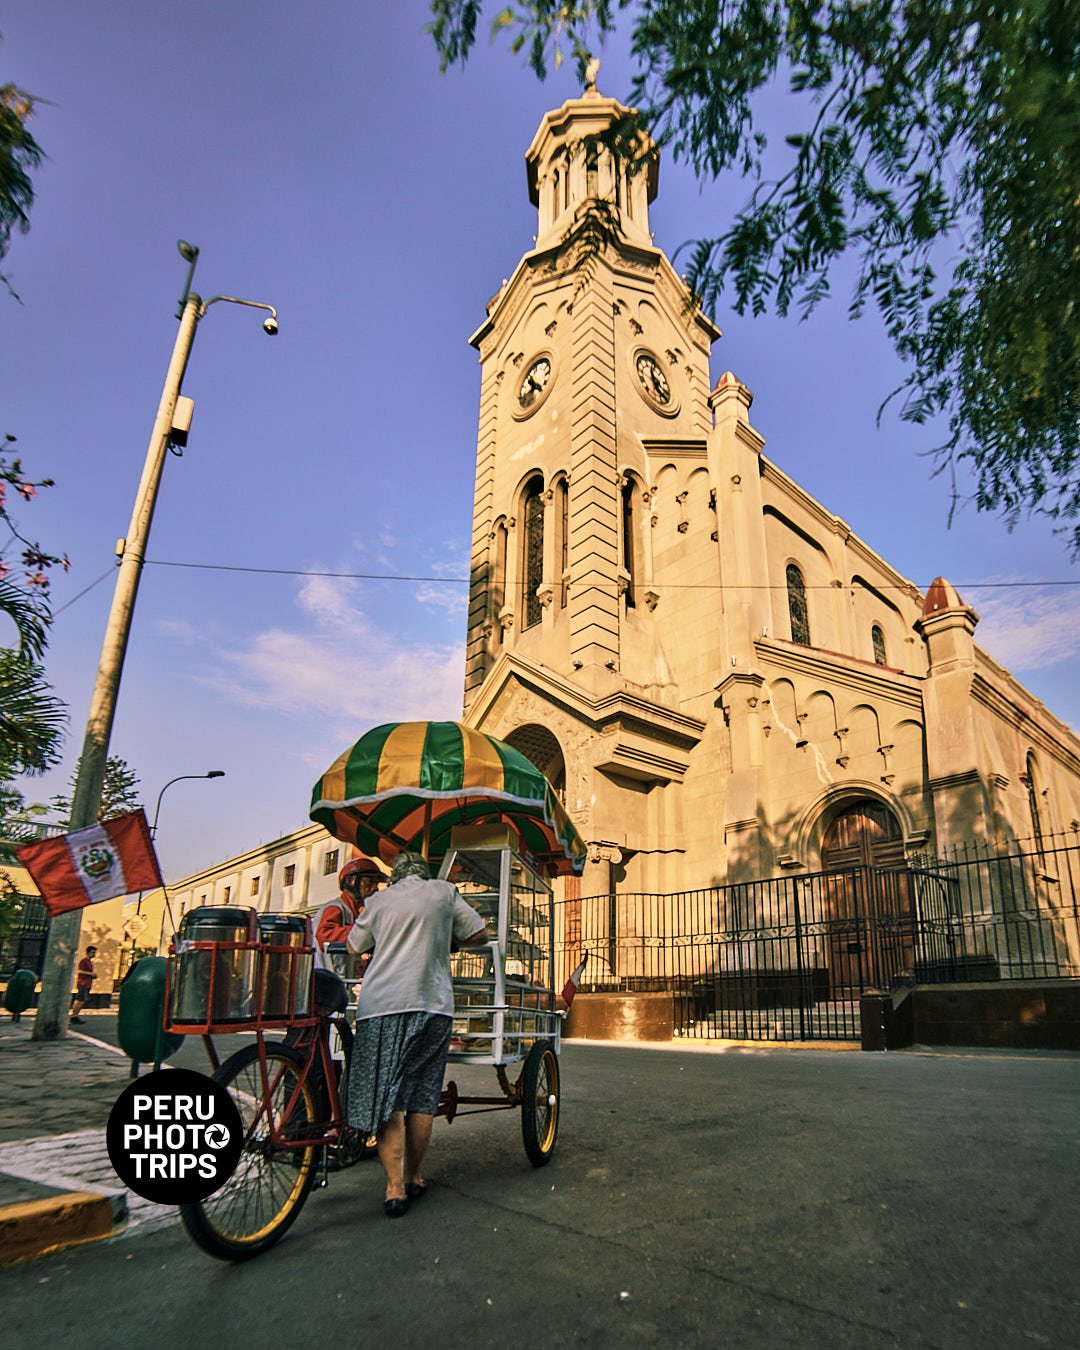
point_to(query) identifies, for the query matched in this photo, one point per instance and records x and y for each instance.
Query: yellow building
(725, 681)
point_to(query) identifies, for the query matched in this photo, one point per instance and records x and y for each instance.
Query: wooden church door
(870, 919)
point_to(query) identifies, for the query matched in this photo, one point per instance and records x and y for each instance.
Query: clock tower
(591, 482)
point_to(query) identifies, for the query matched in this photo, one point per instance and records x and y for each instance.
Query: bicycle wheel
(264, 1195)
(540, 1102)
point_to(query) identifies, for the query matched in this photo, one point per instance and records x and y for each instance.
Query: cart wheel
(268, 1189)
(540, 1102)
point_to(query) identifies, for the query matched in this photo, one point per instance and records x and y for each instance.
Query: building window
(562, 553)
(330, 861)
(202, 898)
(797, 611)
(255, 885)
(227, 896)
(629, 541)
(288, 876)
(498, 581)
(877, 641)
(592, 176)
(1034, 805)
(532, 571)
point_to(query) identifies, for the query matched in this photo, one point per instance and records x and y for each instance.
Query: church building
(722, 678)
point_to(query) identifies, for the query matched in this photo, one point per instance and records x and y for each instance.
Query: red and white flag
(88, 866)
(573, 984)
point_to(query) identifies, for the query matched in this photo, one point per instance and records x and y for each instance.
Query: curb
(33, 1228)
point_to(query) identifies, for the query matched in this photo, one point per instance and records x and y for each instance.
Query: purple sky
(322, 164)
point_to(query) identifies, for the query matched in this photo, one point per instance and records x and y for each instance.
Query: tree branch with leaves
(939, 146)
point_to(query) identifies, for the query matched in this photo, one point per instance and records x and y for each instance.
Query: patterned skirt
(398, 1063)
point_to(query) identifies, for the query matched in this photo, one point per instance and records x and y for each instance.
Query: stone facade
(721, 677)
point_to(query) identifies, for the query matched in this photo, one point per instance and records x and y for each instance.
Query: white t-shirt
(410, 926)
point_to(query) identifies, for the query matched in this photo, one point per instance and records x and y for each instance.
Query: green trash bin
(20, 992)
(142, 1007)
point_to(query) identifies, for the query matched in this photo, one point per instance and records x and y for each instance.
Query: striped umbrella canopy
(407, 784)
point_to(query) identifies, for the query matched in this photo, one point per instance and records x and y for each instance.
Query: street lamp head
(189, 252)
(270, 327)
(216, 773)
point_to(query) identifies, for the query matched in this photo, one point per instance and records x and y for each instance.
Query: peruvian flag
(88, 866)
(573, 984)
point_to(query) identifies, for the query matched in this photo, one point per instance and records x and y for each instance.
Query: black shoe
(415, 1190)
(77, 1020)
(394, 1209)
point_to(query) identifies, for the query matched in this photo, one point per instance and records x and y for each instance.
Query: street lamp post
(211, 773)
(51, 1021)
(136, 918)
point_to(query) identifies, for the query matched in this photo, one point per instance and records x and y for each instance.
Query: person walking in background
(84, 982)
(404, 1017)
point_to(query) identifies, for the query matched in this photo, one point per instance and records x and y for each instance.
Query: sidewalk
(57, 1187)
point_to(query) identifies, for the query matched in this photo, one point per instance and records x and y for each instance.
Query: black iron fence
(787, 958)
(24, 946)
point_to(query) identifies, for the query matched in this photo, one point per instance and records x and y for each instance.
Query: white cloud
(338, 668)
(1026, 628)
(453, 598)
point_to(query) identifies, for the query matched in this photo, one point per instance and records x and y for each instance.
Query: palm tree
(32, 718)
(29, 614)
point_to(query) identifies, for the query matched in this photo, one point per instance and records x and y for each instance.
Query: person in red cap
(359, 878)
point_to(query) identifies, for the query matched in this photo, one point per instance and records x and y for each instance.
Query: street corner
(33, 1228)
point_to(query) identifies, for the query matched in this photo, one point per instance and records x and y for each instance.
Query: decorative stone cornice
(837, 669)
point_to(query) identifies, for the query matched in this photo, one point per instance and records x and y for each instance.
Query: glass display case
(503, 1000)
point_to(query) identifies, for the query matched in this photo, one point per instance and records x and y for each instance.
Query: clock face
(653, 380)
(535, 382)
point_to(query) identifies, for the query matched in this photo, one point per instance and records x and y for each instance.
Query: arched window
(562, 541)
(629, 540)
(797, 611)
(532, 561)
(498, 580)
(877, 641)
(1034, 799)
(592, 173)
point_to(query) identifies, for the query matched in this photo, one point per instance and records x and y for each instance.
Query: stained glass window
(628, 541)
(796, 596)
(877, 639)
(563, 497)
(533, 570)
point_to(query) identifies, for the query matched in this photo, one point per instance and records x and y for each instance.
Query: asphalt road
(748, 1198)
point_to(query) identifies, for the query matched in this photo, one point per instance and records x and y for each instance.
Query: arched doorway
(870, 921)
(864, 834)
(541, 747)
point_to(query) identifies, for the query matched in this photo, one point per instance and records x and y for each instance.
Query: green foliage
(24, 598)
(11, 903)
(940, 147)
(19, 153)
(32, 722)
(119, 792)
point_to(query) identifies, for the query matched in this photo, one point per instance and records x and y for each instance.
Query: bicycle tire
(540, 1102)
(260, 1201)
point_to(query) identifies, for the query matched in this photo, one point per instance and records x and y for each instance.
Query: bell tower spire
(568, 165)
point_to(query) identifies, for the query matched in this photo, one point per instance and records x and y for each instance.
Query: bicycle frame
(313, 1043)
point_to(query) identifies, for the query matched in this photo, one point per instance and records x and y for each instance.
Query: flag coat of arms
(98, 863)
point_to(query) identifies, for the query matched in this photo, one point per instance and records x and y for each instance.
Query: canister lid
(210, 919)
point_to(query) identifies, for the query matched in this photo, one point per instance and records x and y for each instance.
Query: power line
(668, 586)
(464, 581)
(85, 591)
